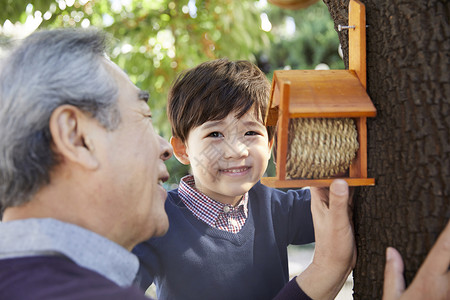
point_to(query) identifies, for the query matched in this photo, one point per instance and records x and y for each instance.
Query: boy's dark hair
(214, 89)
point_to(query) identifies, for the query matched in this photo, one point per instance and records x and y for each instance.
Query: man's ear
(179, 150)
(68, 127)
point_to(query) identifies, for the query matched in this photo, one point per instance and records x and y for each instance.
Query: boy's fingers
(319, 203)
(438, 259)
(394, 284)
(339, 199)
(321, 194)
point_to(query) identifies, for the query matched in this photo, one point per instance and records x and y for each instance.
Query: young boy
(228, 233)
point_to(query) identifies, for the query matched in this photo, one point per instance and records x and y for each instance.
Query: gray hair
(48, 69)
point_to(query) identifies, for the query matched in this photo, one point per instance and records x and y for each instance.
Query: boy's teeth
(235, 170)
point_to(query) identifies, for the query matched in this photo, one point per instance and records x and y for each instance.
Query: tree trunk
(408, 60)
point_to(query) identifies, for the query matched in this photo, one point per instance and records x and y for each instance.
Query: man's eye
(215, 134)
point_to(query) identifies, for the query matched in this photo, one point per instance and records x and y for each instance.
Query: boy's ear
(69, 131)
(179, 150)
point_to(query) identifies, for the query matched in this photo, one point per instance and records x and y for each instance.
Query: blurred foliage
(314, 41)
(15, 10)
(156, 39)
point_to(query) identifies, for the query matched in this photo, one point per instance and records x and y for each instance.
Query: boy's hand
(333, 226)
(335, 250)
(432, 281)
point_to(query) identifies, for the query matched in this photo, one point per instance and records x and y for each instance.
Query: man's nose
(166, 149)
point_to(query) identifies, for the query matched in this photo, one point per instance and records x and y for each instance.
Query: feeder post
(357, 62)
(357, 40)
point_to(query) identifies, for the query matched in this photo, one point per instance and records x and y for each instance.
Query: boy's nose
(235, 149)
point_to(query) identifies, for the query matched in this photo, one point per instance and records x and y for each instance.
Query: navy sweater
(57, 278)
(196, 261)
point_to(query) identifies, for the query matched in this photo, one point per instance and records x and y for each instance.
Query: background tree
(408, 50)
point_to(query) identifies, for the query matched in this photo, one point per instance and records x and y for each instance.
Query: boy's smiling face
(227, 157)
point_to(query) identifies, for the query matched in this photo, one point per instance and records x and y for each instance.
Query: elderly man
(80, 182)
(81, 169)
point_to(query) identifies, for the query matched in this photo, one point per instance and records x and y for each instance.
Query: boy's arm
(335, 250)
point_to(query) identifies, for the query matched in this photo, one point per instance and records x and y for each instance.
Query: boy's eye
(215, 134)
(251, 133)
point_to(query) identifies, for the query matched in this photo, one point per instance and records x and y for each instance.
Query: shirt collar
(202, 206)
(92, 251)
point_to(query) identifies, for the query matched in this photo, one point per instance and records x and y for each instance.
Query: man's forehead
(116, 71)
(122, 78)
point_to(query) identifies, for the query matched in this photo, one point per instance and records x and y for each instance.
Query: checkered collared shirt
(222, 216)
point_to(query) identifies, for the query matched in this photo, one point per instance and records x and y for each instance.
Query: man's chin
(162, 227)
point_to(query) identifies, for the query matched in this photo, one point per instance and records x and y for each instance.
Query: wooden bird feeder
(324, 94)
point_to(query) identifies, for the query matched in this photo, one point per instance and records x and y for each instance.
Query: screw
(340, 27)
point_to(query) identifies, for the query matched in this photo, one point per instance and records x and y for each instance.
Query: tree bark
(408, 80)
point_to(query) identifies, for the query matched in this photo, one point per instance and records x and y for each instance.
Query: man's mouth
(163, 179)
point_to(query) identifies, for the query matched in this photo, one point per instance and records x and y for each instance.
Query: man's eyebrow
(144, 96)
